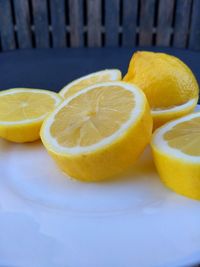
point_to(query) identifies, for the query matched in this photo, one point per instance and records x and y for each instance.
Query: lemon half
(161, 116)
(99, 131)
(88, 80)
(22, 112)
(176, 150)
(168, 83)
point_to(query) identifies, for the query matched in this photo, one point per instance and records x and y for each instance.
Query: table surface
(53, 68)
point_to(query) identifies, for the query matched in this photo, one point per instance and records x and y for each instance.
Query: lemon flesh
(167, 83)
(176, 150)
(161, 116)
(22, 112)
(185, 137)
(92, 117)
(96, 134)
(88, 80)
(24, 106)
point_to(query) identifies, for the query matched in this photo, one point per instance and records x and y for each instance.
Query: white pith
(114, 73)
(184, 106)
(162, 145)
(137, 111)
(26, 90)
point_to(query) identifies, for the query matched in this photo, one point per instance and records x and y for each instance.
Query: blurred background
(99, 23)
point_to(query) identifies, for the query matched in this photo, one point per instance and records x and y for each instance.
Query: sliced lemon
(176, 150)
(163, 115)
(88, 80)
(168, 83)
(99, 131)
(22, 111)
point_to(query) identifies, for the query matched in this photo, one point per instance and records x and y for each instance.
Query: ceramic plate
(47, 219)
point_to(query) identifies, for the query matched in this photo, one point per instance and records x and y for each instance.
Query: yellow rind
(177, 174)
(21, 133)
(165, 80)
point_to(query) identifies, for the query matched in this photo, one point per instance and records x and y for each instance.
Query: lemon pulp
(91, 117)
(185, 137)
(22, 112)
(24, 106)
(90, 79)
(85, 83)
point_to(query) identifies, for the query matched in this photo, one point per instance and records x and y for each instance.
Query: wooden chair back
(99, 23)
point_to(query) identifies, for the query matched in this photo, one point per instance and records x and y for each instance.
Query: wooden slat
(194, 41)
(129, 22)
(164, 27)
(58, 22)
(111, 22)
(94, 22)
(147, 11)
(40, 17)
(22, 17)
(6, 26)
(76, 22)
(182, 21)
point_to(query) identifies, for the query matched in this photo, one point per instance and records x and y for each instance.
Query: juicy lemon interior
(185, 137)
(92, 116)
(21, 106)
(87, 82)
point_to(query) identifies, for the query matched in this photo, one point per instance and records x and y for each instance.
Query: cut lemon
(99, 131)
(88, 80)
(22, 112)
(176, 150)
(161, 116)
(168, 83)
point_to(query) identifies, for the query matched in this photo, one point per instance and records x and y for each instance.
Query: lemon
(22, 112)
(93, 78)
(176, 150)
(160, 117)
(99, 131)
(169, 85)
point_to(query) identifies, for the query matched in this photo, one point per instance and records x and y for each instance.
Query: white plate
(46, 219)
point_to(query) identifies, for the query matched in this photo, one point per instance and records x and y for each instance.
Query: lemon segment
(22, 112)
(167, 83)
(176, 150)
(88, 80)
(96, 133)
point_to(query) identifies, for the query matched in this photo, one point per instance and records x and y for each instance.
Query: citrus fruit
(99, 131)
(169, 85)
(93, 78)
(176, 150)
(22, 111)
(160, 117)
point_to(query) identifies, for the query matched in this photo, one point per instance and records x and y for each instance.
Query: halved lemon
(176, 150)
(163, 115)
(88, 80)
(99, 131)
(22, 111)
(168, 83)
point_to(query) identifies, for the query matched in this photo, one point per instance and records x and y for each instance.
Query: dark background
(53, 68)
